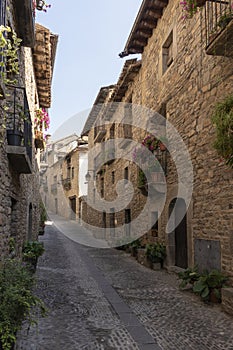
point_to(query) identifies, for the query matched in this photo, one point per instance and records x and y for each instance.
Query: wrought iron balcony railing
(66, 183)
(219, 27)
(54, 188)
(19, 129)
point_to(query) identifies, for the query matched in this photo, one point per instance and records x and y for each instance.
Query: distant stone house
(19, 159)
(184, 71)
(63, 177)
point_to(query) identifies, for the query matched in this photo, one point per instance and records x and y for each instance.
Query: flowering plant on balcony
(189, 8)
(150, 142)
(140, 153)
(41, 119)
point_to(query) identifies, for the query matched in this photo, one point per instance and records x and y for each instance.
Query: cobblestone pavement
(103, 299)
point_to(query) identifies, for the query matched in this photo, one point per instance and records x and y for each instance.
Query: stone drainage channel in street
(103, 299)
(84, 310)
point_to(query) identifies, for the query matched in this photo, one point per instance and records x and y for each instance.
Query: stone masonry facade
(60, 180)
(185, 93)
(20, 206)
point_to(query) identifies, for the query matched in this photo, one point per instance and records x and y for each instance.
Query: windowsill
(168, 67)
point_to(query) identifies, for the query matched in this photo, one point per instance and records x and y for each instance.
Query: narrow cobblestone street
(103, 299)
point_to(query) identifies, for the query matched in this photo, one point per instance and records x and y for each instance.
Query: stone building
(23, 93)
(185, 69)
(63, 176)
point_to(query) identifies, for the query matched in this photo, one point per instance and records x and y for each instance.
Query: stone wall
(19, 193)
(189, 88)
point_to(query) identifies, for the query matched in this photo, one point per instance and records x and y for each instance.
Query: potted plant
(32, 250)
(189, 276)
(156, 253)
(209, 285)
(14, 137)
(189, 7)
(150, 142)
(163, 141)
(134, 246)
(16, 117)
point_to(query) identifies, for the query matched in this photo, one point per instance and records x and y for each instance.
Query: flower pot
(14, 137)
(39, 144)
(213, 298)
(162, 147)
(38, 135)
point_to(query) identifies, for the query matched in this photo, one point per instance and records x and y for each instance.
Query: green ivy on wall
(9, 46)
(222, 119)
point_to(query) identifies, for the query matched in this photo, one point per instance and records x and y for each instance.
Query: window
(127, 121)
(72, 172)
(2, 12)
(55, 179)
(102, 187)
(167, 52)
(112, 131)
(127, 221)
(112, 221)
(126, 173)
(68, 172)
(154, 222)
(113, 177)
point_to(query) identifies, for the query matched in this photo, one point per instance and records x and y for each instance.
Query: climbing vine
(9, 46)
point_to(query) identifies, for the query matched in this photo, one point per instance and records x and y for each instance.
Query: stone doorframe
(170, 237)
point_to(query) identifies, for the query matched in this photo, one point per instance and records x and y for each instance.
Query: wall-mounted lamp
(88, 175)
(40, 4)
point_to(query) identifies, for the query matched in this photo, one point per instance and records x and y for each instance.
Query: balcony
(99, 161)
(219, 28)
(127, 135)
(45, 187)
(54, 188)
(110, 156)
(157, 182)
(19, 131)
(25, 17)
(157, 173)
(100, 132)
(66, 183)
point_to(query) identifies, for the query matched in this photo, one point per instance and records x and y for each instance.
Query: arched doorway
(179, 235)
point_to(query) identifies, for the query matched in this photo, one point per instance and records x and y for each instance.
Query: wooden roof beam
(153, 14)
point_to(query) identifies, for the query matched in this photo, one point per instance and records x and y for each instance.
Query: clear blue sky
(91, 35)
